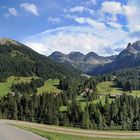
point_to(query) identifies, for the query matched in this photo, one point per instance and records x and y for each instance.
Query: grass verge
(58, 136)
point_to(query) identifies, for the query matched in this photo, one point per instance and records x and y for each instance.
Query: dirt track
(77, 132)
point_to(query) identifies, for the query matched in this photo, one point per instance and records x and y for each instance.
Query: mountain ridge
(129, 57)
(81, 61)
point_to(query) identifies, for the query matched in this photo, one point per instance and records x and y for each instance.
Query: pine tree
(86, 119)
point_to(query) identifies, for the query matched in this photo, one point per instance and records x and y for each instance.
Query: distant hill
(129, 57)
(17, 59)
(80, 61)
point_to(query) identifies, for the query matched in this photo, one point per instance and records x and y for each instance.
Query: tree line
(128, 79)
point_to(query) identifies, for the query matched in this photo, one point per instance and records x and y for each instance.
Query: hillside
(129, 57)
(17, 59)
(80, 61)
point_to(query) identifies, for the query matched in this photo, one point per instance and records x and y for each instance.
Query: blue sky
(102, 26)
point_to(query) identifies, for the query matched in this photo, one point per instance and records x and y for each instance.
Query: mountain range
(80, 61)
(92, 63)
(20, 60)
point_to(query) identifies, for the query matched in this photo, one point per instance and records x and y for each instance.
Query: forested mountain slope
(19, 60)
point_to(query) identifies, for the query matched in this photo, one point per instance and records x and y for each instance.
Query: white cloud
(132, 12)
(77, 38)
(32, 8)
(109, 11)
(54, 20)
(111, 7)
(79, 9)
(90, 22)
(13, 11)
(115, 25)
(39, 47)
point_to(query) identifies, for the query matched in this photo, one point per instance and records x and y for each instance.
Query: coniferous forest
(122, 113)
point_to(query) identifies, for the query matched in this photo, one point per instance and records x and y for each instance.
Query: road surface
(12, 133)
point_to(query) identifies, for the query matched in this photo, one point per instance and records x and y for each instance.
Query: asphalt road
(12, 133)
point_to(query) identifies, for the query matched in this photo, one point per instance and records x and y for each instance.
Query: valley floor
(61, 133)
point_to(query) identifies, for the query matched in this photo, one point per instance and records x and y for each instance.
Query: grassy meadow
(50, 85)
(108, 88)
(5, 87)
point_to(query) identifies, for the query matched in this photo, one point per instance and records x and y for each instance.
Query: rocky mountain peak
(136, 45)
(76, 56)
(92, 54)
(132, 48)
(57, 53)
